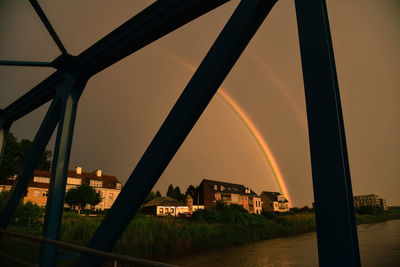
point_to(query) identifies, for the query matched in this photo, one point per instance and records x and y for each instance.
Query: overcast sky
(122, 107)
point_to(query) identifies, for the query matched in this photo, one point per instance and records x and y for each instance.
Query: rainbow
(259, 140)
(248, 124)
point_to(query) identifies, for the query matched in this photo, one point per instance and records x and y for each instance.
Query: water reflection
(379, 246)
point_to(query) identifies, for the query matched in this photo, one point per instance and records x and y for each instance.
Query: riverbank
(161, 238)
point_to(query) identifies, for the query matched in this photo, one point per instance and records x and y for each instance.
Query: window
(161, 210)
(118, 186)
(235, 198)
(172, 210)
(215, 187)
(76, 181)
(226, 197)
(111, 196)
(41, 179)
(96, 183)
(36, 193)
(166, 210)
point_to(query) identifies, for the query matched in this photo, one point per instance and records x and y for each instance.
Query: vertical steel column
(3, 135)
(336, 228)
(55, 201)
(39, 144)
(205, 82)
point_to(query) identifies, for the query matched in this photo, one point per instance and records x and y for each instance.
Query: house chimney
(78, 170)
(98, 173)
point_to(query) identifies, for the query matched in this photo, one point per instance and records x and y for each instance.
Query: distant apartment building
(370, 200)
(274, 201)
(108, 186)
(213, 191)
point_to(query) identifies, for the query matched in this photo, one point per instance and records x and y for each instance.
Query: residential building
(370, 200)
(108, 186)
(167, 206)
(212, 191)
(274, 201)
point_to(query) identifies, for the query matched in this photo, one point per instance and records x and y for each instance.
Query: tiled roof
(30, 184)
(273, 195)
(108, 180)
(163, 201)
(228, 187)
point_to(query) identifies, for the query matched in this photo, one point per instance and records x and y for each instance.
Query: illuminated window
(161, 210)
(41, 179)
(96, 183)
(215, 187)
(76, 181)
(166, 210)
(172, 210)
(111, 196)
(118, 186)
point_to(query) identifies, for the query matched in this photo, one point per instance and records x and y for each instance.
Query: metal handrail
(82, 249)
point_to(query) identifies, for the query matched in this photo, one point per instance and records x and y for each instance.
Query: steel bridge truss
(336, 229)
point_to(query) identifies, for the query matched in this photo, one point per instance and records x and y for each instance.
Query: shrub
(370, 210)
(27, 215)
(268, 214)
(228, 214)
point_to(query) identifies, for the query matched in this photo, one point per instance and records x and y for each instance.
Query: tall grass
(158, 237)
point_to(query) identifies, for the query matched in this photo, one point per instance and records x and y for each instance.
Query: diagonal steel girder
(205, 82)
(154, 22)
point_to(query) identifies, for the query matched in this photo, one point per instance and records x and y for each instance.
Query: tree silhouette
(82, 195)
(171, 192)
(14, 154)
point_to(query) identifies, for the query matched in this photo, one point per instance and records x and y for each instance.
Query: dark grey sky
(122, 107)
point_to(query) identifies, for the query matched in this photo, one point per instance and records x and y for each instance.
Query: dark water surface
(379, 246)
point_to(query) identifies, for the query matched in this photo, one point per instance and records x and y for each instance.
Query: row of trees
(175, 193)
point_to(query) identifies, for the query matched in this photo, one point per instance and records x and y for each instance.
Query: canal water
(379, 246)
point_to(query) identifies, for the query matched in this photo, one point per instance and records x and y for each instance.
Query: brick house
(212, 191)
(274, 201)
(108, 186)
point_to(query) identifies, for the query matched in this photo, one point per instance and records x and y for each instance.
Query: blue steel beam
(39, 144)
(336, 227)
(25, 63)
(224, 53)
(3, 134)
(55, 201)
(154, 22)
(48, 26)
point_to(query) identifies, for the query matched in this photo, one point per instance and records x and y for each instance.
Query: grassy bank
(158, 238)
(153, 237)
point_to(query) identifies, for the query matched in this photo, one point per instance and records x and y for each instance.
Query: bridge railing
(111, 257)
